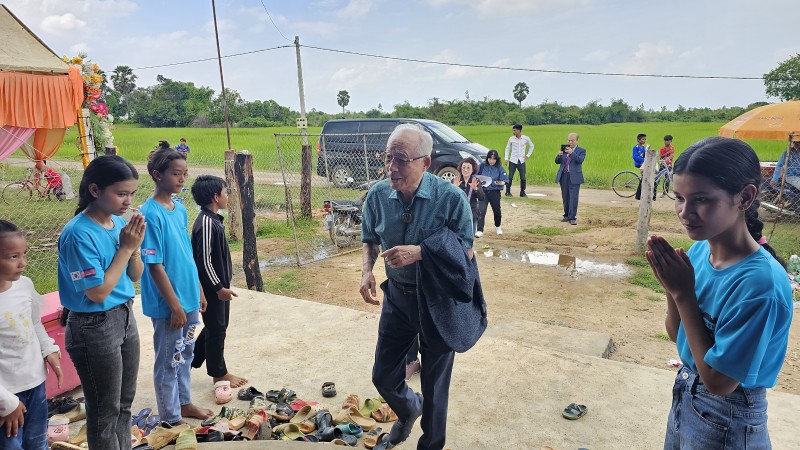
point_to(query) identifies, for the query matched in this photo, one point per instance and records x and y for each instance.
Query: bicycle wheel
(17, 193)
(667, 189)
(625, 183)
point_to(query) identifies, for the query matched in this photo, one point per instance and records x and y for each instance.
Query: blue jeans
(104, 348)
(32, 436)
(174, 353)
(702, 420)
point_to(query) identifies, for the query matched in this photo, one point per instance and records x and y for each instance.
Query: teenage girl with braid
(729, 303)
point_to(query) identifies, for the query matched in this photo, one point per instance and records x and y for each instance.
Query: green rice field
(608, 146)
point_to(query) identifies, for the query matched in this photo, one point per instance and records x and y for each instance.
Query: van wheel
(341, 176)
(448, 173)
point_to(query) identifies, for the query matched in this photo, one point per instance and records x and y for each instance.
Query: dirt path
(572, 276)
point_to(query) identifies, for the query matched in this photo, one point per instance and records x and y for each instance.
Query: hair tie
(762, 240)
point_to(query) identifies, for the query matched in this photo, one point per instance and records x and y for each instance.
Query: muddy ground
(545, 271)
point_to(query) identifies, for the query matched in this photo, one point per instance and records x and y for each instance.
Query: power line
(519, 69)
(212, 58)
(273, 22)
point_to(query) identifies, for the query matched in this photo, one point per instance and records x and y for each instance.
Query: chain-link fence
(780, 206)
(326, 213)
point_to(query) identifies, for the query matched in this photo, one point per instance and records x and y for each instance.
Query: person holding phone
(570, 176)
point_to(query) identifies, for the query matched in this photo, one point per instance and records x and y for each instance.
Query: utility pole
(302, 123)
(221, 78)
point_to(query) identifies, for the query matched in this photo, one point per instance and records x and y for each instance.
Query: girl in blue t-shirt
(171, 294)
(729, 302)
(98, 261)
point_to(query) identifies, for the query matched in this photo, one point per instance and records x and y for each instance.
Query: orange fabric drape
(40, 101)
(46, 142)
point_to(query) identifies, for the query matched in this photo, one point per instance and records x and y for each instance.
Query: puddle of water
(320, 249)
(575, 267)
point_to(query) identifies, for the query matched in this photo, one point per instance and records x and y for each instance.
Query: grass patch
(273, 228)
(644, 277)
(629, 294)
(546, 231)
(655, 298)
(284, 283)
(662, 336)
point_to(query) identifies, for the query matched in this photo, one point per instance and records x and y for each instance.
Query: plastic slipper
(346, 439)
(65, 446)
(222, 392)
(187, 440)
(237, 419)
(352, 401)
(382, 443)
(151, 423)
(61, 405)
(574, 411)
(351, 429)
(136, 436)
(58, 428)
(370, 404)
(352, 415)
(77, 413)
(371, 438)
(140, 419)
(282, 412)
(329, 389)
(253, 424)
(257, 404)
(384, 414)
(249, 393)
(165, 434)
(81, 437)
(308, 412)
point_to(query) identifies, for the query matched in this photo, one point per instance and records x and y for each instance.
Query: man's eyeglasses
(401, 162)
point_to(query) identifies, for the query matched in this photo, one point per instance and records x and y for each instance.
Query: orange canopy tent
(775, 121)
(38, 90)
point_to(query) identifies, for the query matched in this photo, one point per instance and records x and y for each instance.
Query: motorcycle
(343, 217)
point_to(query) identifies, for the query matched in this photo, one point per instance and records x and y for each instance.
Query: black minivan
(351, 150)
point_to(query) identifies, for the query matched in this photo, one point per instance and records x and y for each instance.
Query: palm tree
(124, 83)
(343, 99)
(521, 92)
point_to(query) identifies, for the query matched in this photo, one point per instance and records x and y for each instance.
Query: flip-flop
(140, 419)
(384, 414)
(371, 438)
(574, 411)
(151, 422)
(352, 401)
(382, 443)
(77, 413)
(329, 389)
(187, 440)
(370, 405)
(249, 393)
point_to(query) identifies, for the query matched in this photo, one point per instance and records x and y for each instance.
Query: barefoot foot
(195, 412)
(235, 381)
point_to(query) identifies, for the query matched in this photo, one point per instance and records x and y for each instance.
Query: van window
(341, 128)
(378, 127)
(446, 133)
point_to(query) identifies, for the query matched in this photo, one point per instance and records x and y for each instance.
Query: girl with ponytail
(729, 302)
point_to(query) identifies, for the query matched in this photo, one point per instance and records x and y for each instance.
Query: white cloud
(596, 56)
(648, 58)
(81, 47)
(504, 7)
(63, 24)
(356, 8)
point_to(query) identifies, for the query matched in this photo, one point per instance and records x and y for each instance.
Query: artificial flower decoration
(93, 100)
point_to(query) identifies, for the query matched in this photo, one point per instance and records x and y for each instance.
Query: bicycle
(22, 190)
(626, 182)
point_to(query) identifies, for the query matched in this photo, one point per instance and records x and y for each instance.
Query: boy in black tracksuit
(213, 259)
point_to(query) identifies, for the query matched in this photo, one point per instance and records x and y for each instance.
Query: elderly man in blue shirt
(399, 213)
(792, 166)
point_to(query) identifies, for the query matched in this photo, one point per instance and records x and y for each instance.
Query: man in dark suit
(570, 176)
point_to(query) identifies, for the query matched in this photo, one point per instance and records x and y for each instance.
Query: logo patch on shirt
(81, 274)
(149, 251)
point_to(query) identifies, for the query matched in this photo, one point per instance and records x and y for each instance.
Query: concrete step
(506, 393)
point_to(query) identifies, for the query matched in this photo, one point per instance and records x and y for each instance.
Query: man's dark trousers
(569, 196)
(397, 331)
(210, 346)
(512, 168)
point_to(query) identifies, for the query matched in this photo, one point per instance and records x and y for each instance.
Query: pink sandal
(58, 429)
(222, 392)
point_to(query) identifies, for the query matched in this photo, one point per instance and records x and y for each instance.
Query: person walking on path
(399, 214)
(516, 156)
(492, 168)
(570, 176)
(729, 301)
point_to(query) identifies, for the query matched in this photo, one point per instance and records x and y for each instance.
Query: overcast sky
(734, 38)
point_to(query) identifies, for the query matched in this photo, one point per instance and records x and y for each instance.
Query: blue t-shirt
(747, 308)
(85, 251)
(497, 172)
(167, 242)
(436, 204)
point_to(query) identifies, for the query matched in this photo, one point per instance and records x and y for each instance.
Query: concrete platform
(506, 393)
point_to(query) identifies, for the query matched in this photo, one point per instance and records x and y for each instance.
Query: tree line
(173, 103)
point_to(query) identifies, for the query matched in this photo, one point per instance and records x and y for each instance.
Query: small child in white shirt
(24, 348)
